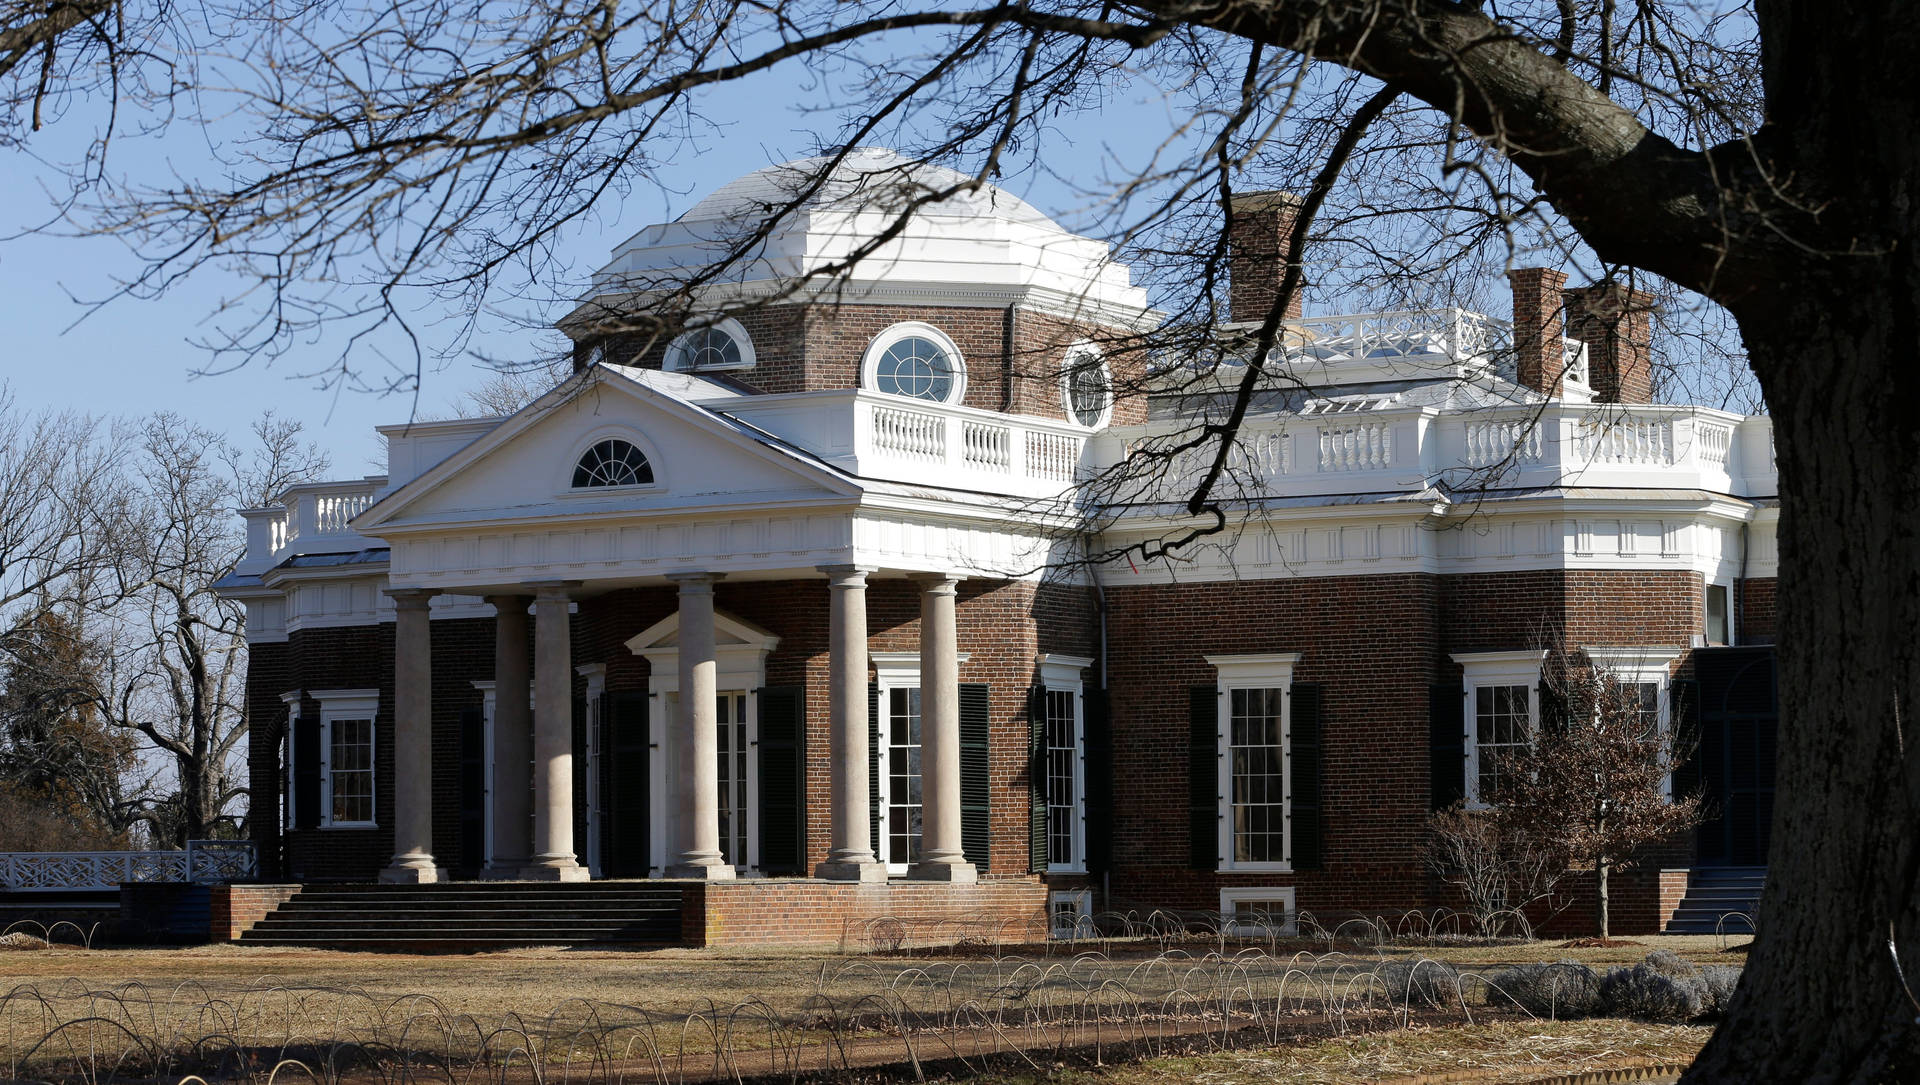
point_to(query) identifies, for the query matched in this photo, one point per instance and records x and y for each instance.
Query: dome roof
(868, 178)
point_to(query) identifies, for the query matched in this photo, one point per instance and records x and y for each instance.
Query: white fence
(203, 862)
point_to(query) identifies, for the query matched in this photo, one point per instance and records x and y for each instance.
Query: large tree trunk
(1600, 899)
(1820, 1000)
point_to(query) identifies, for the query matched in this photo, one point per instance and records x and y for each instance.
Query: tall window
(904, 798)
(730, 718)
(347, 756)
(1502, 724)
(1719, 626)
(1063, 778)
(1257, 758)
(289, 806)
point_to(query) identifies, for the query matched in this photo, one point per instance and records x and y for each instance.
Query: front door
(901, 794)
(735, 762)
(730, 719)
(1739, 721)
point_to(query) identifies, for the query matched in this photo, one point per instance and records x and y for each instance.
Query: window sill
(350, 825)
(1256, 868)
(1080, 868)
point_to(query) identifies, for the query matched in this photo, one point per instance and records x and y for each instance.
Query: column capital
(506, 600)
(552, 589)
(411, 598)
(849, 574)
(937, 583)
(694, 580)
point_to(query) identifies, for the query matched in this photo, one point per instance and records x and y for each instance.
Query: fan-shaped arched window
(612, 462)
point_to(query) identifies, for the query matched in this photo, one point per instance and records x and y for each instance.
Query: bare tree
(64, 507)
(1500, 871)
(1758, 157)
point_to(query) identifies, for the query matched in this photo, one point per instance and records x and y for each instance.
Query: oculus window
(916, 361)
(612, 462)
(1088, 385)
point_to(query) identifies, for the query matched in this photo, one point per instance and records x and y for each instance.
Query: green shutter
(1037, 779)
(782, 779)
(1306, 731)
(1203, 777)
(1097, 723)
(1446, 744)
(876, 733)
(976, 828)
(626, 841)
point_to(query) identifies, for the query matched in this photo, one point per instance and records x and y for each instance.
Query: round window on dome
(1088, 385)
(722, 345)
(916, 361)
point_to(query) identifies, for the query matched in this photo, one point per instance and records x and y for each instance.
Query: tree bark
(1600, 899)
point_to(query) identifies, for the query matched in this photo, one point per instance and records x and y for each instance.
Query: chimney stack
(1256, 246)
(1537, 346)
(1616, 323)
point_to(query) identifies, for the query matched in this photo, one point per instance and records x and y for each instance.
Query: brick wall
(266, 726)
(236, 908)
(1757, 618)
(776, 912)
(1639, 901)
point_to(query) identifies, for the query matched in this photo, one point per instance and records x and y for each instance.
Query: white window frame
(1067, 674)
(1640, 665)
(1733, 634)
(289, 805)
(1077, 357)
(891, 671)
(1483, 669)
(907, 329)
(1233, 895)
(349, 704)
(1081, 901)
(740, 666)
(563, 484)
(676, 356)
(596, 676)
(1272, 670)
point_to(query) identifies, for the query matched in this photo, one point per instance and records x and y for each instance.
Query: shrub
(1421, 983)
(1562, 989)
(1668, 963)
(1646, 993)
(1719, 980)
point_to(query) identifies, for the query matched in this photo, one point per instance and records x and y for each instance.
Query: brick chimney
(1537, 346)
(1617, 325)
(1256, 246)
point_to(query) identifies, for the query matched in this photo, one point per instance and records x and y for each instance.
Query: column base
(953, 871)
(413, 872)
(869, 871)
(558, 868)
(705, 872)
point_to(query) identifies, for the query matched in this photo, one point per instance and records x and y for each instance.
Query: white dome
(867, 179)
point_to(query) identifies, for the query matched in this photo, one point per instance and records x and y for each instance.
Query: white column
(512, 740)
(850, 855)
(412, 861)
(696, 777)
(553, 858)
(942, 847)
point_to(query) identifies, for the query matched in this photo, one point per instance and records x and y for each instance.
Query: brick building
(801, 593)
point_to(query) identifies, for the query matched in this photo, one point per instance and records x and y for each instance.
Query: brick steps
(468, 916)
(1719, 899)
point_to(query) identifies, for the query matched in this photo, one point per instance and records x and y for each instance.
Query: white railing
(1356, 446)
(203, 862)
(1715, 442)
(914, 435)
(1504, 440)
(1630, 439)
(1452, 332)
(1052, 456)
(333, 511)
(1270, 452)
(314, 518)
(985, 446)
(1573, 356)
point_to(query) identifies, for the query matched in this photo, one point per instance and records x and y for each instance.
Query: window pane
(1256, 761)
(1501, 723)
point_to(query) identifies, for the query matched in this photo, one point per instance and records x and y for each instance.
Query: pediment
(729, 633)
(525, 468)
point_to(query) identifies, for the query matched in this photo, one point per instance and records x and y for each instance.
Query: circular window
(724, 345)
(918, 362)
(1089, 386)
(612, 462)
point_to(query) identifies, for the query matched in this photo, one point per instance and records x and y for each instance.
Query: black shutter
(1037, 779)
(1554, 712)
(1446, 744)
(976, 828)
(580, 780)
(1306, 730)
(876, 732)
(782, 785)
(474, 788)
(1098, 723)
(1203, 778)
(624, 848)
(1684, 702)
(306, 772)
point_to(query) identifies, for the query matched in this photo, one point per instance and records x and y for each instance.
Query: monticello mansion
(792, 611)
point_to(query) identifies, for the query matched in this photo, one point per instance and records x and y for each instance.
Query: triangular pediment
(729, 632)
(525, 467)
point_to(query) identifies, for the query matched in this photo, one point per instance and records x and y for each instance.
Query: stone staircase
(1716, 892)
(457, 917)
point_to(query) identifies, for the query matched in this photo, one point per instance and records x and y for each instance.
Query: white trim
(596, 676)
(612, 431)
(1479, 669)
(1072, 361)
(906, 329)
(289, 804)
(675, 359)
(891, 671)
(1271, 670)
(1082, 902)
(1067, 674)
(1733, 634)
(1285, 894)
(339, 705)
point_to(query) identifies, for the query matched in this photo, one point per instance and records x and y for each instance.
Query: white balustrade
(1052, 456)
(1504, 440)
(913, 435)
(1627, 440)
(1270, 452)
(204, 861)
(1356, 446)
(985, 446)
(1573, 354)
(1713, 443)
